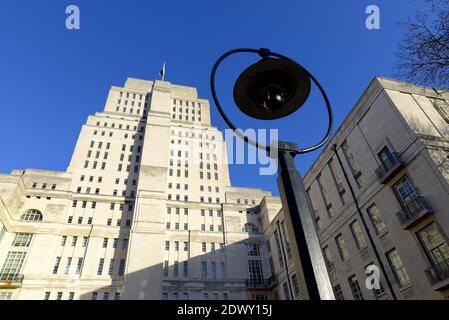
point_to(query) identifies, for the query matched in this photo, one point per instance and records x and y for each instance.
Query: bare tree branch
(423, 54)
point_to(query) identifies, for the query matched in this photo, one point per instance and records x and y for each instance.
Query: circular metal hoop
(265, 53)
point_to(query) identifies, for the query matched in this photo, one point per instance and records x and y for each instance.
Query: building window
(56, 265)
(100, 267)
(63, 240)
(352, 164)
(398, 268)
(67, 265)
(121, 268)
(31, 215)
(204, 269)
(325, 196)
(22, 240)
(336, 177)
(279, 248)
(12, 266)
(255, 271)
(387, 159)
(250, 228)
(355, 288)
(328, 258)
(185, 271)
(341, 245)
(357, 233)
(286, 291)
(165, 267)
(111, 267)
(338, 293)
(253, 249)
(435, 244)
(376, 219)
(442, 107)
(295, 284)
(406, 195)
(79, 265)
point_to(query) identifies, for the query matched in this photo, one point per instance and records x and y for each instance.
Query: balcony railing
(389, 167)
(8, 280)
(261, 283)
(413, 212)
(438, 275)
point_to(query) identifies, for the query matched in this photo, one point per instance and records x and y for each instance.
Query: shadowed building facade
(381, 186)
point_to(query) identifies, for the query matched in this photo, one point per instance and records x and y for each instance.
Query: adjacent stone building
(380, 193)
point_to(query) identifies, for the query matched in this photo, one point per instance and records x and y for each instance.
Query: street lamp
(273, 88)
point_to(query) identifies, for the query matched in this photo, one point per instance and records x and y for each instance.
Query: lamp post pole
(270, 89)
(306, 250)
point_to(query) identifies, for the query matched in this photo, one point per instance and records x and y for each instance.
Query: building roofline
(374, 88)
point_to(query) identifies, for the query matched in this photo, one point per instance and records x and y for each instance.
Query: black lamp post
(273, 88)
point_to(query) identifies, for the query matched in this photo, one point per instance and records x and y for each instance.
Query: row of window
(206, 272)
(186, 118)
(186, 296)
(121, 206)
(115, 192)
(108, 221)
(186, 212)
(186, 103)
(85, 240)
(245, 201)
(120, 126)
(38, 197)
(106, 296)
(108, 146)
(294, 288)
(131, 110)
(133, 95)
(176, 244)
(44, 186)
(71, 295)
(176, 226)
(79, 265)
(192, 135)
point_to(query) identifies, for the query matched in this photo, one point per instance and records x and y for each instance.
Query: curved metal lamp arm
(265, 53)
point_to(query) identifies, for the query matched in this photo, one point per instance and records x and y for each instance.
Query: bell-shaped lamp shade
(272, 89)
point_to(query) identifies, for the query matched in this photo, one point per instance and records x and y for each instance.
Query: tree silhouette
(423, 54)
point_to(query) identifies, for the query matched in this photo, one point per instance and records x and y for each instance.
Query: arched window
(250, 228)
(32, 215)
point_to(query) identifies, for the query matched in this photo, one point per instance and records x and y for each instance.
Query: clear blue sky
(51, 78)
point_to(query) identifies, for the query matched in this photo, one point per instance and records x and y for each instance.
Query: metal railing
(438, 272)
(260, 283)
(412, 209)
(388, 166)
